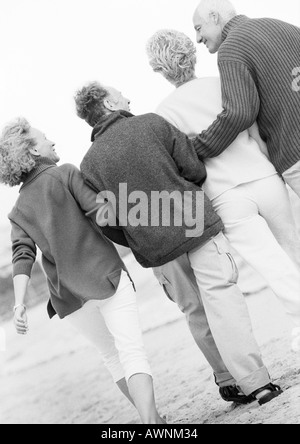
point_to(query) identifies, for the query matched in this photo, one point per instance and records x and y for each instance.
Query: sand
(53, 376)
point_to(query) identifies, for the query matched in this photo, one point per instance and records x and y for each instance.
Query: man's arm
(186, 159)
(182, 150)
(91, 206)
(241, 105)
(82, 193)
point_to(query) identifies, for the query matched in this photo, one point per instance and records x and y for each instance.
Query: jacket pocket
(233, 275)
(229, 267)
(166, 285)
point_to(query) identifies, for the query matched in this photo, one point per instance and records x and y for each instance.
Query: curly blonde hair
(173, 54)
(90, 102)
(16, 161)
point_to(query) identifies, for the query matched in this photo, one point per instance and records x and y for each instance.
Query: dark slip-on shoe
(233, 394)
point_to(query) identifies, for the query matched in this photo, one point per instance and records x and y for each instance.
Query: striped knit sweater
(256, 62)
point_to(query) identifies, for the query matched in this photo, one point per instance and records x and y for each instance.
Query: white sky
(50, 48)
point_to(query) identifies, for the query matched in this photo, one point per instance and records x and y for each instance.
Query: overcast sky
(50, 48)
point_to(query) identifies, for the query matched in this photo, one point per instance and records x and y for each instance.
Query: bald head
(210, 18)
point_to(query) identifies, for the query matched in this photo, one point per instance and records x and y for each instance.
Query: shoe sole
(268, 398)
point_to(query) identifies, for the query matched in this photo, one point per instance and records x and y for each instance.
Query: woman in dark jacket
(87, 279)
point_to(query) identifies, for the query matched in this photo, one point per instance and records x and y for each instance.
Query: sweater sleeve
(87, 200)
(82, 193)
(241, 105)
(182, 151)
(189, 165)
(23, 251)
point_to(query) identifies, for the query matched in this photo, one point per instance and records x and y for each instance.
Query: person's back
(248, 195)
(149, 146)
(192, 108)
(149, 155)
(48, 212)
(85, 274)
(269, 50)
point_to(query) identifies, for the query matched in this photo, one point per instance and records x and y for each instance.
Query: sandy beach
(53, 376)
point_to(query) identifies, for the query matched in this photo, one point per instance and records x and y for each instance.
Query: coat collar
(232, 24)
(42, 164)
(107, 121)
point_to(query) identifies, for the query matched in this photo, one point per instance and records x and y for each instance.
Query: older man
(260, 59)
(132, 150)
(245, 190)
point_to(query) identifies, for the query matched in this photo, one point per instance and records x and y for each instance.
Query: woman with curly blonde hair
(16, 159)
(173, 55)
(88, 282)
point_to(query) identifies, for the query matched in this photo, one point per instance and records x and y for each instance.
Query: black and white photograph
(150, 214)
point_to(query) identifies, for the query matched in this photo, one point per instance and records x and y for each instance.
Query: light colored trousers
(113, 327)
(179, 283)
(227, 313)
(218, 319)
(260, 226)
(292, 178)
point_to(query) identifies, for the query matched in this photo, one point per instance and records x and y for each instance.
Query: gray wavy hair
(90, 102)
(16, 161)
(173, 54)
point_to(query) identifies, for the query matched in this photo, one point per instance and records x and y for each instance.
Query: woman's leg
(121, 317)
(90, 323)
(142, 392)
(250, 235)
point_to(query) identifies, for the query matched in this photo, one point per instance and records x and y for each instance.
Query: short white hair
(173, 54)
(224, 8)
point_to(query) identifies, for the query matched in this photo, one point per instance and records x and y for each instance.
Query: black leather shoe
(233, 394)
(275, 392)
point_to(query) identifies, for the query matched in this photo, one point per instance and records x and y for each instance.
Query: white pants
(113, 327)
(292, 178)
(260, 226)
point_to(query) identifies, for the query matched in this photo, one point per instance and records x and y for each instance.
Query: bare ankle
(155, 420)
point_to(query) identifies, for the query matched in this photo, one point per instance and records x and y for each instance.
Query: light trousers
(179, 283)
(227, 312)
(292, 178)
(260, 226)
(113, 327)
